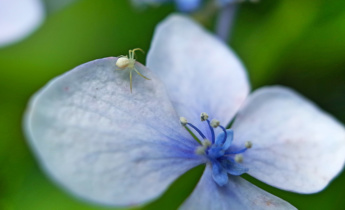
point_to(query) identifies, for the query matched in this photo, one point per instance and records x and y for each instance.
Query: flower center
(218, 152)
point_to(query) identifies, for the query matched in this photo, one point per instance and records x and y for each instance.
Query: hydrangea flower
(106, 145)
(186, 5)
(18, 19)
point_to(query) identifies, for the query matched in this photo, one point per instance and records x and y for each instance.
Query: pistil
(217, 151)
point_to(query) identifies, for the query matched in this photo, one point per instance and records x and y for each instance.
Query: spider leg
(136, 49)
(130, 80)
(130, 54)
(139, 50)
(141, 74)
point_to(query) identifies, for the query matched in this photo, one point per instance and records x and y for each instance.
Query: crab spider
(128, 62)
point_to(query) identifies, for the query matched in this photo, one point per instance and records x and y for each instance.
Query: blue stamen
(225, 134)
(197, 130)
(212, 131)
(238, 152)
(224, 159)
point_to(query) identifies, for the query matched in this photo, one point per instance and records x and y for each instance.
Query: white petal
(237, 194)
(200, 72)
(105, 144)
(18, 18)
(296, 146)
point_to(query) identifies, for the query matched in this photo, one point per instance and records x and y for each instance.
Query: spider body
(128, 63)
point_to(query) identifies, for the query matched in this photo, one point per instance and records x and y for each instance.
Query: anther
(183, 121)
(203, 116)
(200, 150)
(215, 123)
(239, 158)
(248, 144)
(206, 143)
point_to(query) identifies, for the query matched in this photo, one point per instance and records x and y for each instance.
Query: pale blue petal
(188, 5)
(182, 5)
(232, 167)
(105, 144)
(296, 146)
(19, 18)
(220, 139)
(200, 72)
(236, 194)
(219, 175)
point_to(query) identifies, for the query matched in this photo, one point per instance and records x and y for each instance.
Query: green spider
(128, 62)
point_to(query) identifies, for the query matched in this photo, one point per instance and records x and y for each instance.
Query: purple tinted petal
(102, 142)
(232, 167)
(220, 139)
(19, 18)
(200, 72)
(296, 146)
(219, 175)
(236, 194)
(188, 5)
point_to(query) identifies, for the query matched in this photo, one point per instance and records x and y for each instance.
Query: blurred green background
(300, 44)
